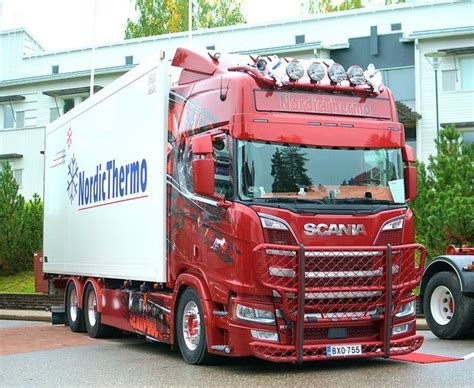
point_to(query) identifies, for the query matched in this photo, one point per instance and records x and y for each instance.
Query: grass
(22, 283)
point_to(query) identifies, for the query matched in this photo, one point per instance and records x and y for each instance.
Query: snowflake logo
(69, 137)
(72, 177)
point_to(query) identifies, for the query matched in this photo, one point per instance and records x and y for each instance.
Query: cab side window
(222, 167)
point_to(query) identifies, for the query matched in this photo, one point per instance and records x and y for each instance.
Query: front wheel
(449, 313)
(190, 329)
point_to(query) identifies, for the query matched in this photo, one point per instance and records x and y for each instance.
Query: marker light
(294, 70)
(316, 71)
(336, 73)
(356, 75)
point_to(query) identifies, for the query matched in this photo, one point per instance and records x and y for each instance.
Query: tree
(327, 6)
(21, 223)
(158, 17)
(444, 207)
(11, 219)
(289, 171)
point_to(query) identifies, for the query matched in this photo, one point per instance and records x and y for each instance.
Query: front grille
(320, 334)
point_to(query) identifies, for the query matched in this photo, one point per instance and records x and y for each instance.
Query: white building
(37, 86)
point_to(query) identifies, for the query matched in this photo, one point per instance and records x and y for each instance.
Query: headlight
(337, 73)
(356, 75)
(268, 223)
(316, 71)
(251, 314)
(294, 70)
(406, 310)
(393, 224)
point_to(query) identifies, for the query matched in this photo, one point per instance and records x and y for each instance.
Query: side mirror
(203, 177)
(410, 183)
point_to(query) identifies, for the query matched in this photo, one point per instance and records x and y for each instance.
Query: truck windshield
(276, 172)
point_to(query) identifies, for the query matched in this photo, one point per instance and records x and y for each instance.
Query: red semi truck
(260, 210)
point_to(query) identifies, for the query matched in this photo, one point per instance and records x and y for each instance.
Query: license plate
(343, 350)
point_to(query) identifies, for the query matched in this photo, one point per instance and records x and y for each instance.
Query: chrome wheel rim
(73, 305)
(191, 325)
(442, 305)
(92, 308)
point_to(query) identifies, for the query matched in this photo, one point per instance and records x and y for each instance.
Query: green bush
(444, 207)
(21, 225)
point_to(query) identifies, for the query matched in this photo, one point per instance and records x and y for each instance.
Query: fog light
(265, 335)
(406, 310)
(251, 314)
(402, 328)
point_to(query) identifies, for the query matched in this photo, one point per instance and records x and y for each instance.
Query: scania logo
(334, 229)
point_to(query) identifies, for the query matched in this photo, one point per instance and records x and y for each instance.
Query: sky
(65, 24)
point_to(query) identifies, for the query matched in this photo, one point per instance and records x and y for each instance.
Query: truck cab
(288, 184)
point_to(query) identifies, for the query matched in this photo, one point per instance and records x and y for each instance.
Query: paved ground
(36, 353)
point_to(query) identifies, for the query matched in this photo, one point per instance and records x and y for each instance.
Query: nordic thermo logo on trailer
(112, 182)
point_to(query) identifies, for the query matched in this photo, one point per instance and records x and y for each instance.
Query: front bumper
(288, 353)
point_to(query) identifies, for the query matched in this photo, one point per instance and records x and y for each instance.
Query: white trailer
(105, 181)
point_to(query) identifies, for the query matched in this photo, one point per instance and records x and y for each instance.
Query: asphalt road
(38, 354)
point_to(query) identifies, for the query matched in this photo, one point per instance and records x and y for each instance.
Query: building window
(55, 69)
(129, 60)
(20, 119)
(53, 114)
(68, 104)
(466, 66)
(449, 80)
(468, 135)
(212, 47)
(299, 39)
(396, 26)
(18, 175)
(8, 117)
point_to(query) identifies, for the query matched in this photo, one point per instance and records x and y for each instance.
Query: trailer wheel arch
(79, 289)
(98, 287)
(184, 281)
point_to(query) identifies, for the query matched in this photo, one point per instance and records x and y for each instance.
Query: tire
(92, 317)
(74, 315)
(448, 312)
(191, 330)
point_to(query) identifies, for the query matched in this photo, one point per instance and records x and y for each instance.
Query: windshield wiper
(361, 200)
(292, 200)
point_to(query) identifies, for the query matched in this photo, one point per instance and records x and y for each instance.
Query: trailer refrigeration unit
(258, 207)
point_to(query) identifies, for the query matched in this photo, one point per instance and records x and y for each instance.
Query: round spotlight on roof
(356, 75)
(294, 70)
(316, 71)
(261, 65)
(337, 73)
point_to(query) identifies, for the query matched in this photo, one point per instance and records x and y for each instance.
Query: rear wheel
(75, 317)
(449, 313)
(190, 329)
(94, 326)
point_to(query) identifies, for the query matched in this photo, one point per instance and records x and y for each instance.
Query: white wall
(29, 143)
(454, 106)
